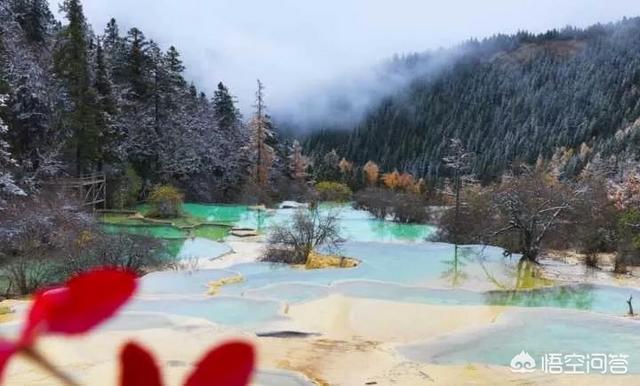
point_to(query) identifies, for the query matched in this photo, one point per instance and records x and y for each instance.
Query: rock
(214, 286)
(293, 205)
(320, 261)
(286, 334)
(244, 232)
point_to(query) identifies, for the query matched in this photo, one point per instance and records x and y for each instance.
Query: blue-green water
(201, 247)
(416, 264)
(280, 378)
(537, 332)
(356, 225)
(600, 299)
(157, 231)
(180, 283)
(413, 273)
(232, 311)
(397, 264)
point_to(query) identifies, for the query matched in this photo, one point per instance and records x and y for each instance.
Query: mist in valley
(325, 63)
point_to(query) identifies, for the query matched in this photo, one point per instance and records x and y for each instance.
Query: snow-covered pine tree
(224, 109)
(71, 63)
(34, 17)
(7, 184)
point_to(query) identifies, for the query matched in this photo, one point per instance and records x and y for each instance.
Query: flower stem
(44, 363)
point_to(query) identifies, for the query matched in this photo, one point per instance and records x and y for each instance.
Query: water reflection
(579, 297)
(453, 271)
(539, 332)
(515, 274)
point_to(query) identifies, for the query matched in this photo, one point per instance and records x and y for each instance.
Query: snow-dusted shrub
(165, 201)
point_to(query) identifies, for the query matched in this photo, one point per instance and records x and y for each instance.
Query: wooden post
(90, 189)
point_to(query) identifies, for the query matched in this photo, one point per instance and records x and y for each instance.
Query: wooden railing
(91, 189)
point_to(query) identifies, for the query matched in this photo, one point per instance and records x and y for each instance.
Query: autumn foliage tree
(403, 182)
(346, 170)
(391, 180)
(371, 173)
(345, 166)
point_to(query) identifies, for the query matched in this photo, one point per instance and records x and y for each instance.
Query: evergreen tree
(175, 67)
(106, 104)
(115, 102)
(329, 167)
(72, 65)
(509, 99)
(224, 109)
(158, 87)
(7, 162)
(111, 37)
(34, 17)
(137, 64)
(115, 51)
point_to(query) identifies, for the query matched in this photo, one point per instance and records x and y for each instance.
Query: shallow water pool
(537, 332)
(233, 311)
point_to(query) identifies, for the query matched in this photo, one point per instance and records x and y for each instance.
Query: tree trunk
(530, 250)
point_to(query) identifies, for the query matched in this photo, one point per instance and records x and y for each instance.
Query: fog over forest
(304, 51)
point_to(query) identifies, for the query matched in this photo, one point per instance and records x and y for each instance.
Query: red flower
(228, 365)
(138, 367)
(81, 304)
(7, 349)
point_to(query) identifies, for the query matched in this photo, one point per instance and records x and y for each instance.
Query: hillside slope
(509, 98)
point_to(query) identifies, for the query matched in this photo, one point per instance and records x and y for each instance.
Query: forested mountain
(572, 93)
(77, 101)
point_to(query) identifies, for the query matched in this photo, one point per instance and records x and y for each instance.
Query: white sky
(295, 45)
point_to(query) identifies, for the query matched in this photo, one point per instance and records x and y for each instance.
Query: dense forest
(573, 94)
(485, 140)
(76, 102)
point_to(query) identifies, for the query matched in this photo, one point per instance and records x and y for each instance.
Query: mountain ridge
(510, 98)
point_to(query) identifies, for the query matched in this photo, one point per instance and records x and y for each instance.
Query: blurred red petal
(7, 349)
(138, 367)
(228, 365)
(83, 303)
(37, 313)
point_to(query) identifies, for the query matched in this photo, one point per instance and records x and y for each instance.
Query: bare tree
(459, 162)
(133, 253)
(260, 135)
(36, 234)
(528, 207)
(293, 242)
